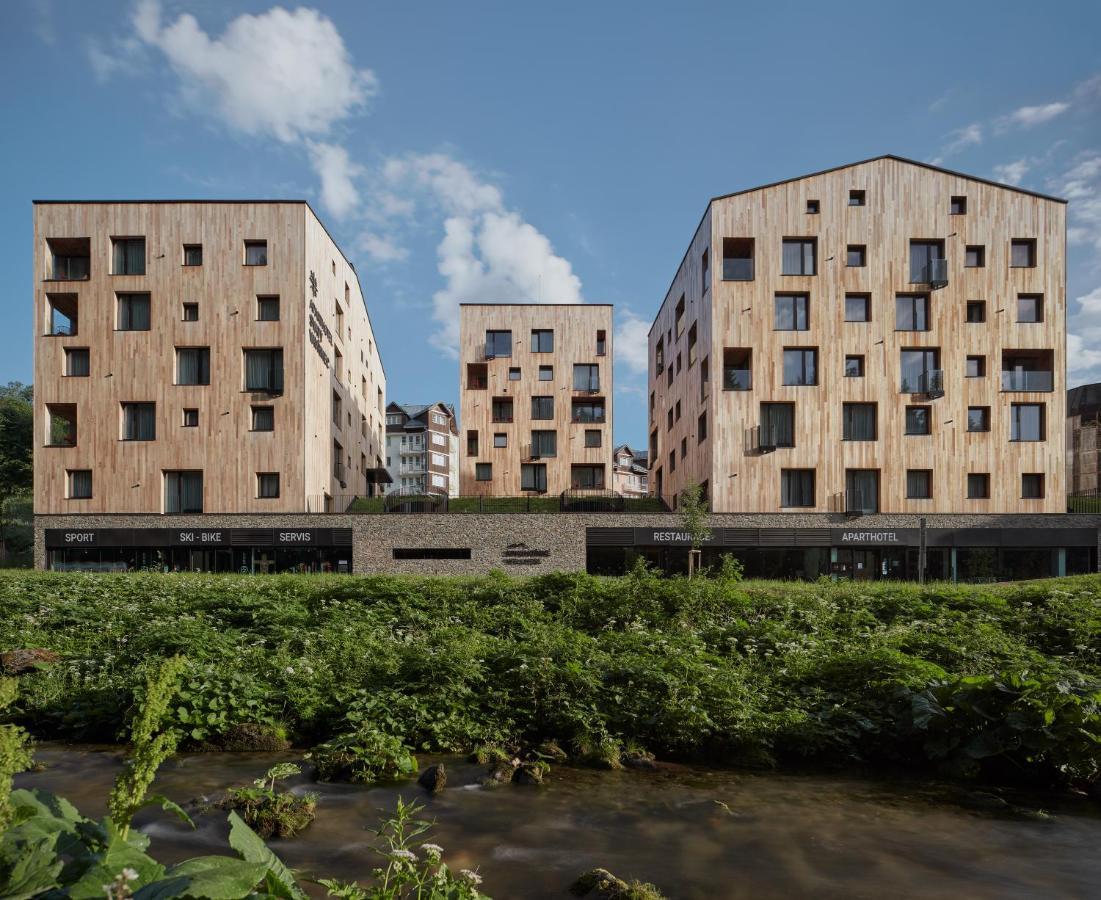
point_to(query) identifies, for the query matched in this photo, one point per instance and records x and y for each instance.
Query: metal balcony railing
(935, 273)
(1027, 381)
(931, 383)
(1088, 501)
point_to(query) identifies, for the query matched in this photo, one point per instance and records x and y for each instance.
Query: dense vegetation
(998, 681)
(16, 474)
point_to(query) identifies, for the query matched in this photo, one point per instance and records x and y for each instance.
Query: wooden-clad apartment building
(884, 336)
(199, 357)
(536, 398)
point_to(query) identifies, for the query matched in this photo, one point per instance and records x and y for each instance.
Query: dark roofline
(122, 202)
(895, 157)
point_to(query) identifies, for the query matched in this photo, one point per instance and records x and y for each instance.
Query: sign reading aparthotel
(875, 536)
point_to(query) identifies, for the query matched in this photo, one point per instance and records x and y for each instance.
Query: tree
(16, 447)
(693, 511)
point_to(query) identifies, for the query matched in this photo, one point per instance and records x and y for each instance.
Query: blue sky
(495, 151)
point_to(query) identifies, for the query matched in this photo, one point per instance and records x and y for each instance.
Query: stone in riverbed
(638, 759)
(531, 773)
(433, 779)
(501, 773)
(600, 884)
(16, 662)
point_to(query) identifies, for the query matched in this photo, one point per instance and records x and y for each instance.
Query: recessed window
(920, 370)
(190, 312)
(586, 477)
(533, 477)
(128, 256)
(858, 421)
(799, 256)
(514, 373)
(267, 308)
(61, 314)
(1032, 486)
(500, 440)
(264, 370)
(1030, 308)
(586, 377)
(472, 443)
(976, 311)
(705, 271)
(544, 444)
(737, 259)
(498, 344)
(190, 418)
(263, 418)
(192, 365)
(192, 254)
(854, 366)
(856, 256)
(812, 207)
(791, 312)
(912, 312)
(856, 198)
(858, 307)
(975, 256)
(483, 471)
(601, 343)
(546, 373)
(542, 407)
(68, 259)
(78, 484)
(918, 420)
(267, 485)
(1026, 422)
(701, 428)
(542, 340)
(678, 323)
(796, 487)
(183, 491)
(77, 362)
(256, 253)
(593, 437)
(777, 428)
(737, 369)
(978, 418)
(139, 421)
(957, 206)
(61, 427)
(919, 484)
(978, 485)
(587, 411)
(133, 312)
(975, 367)
(800, 366)
(1022, 253)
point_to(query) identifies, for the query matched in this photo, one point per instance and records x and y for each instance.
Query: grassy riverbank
(1000, 681)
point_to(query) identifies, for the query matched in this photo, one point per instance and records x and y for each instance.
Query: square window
(978, 485)
(79, 484)
(791, 312)
(812, 207)
(856, 256)
(191, 312)
(854, 366)
(918, 420)
(856, 198)
(190, 418)
(919, 484)
(800, 367)
(192, 254)
(858, 421)
(1032, 486)
(542, 340)
(264, 370)
(858, 307)
(267, 308)
(183, 491)
(800, 256)
(500, 440)
(192, 365)
(975, 256)
(483, 471)
(796, 487)
(546, 373)
(544, 444)
(542, 408)
(139, 422)
(133, 312)
(912, 312)
(267, 485)
(256, 253)
(958, 206)
(592, 437)
(77, 362)
(976, 367)
(498, 344)
(1022, 253)
(514, 373)
(128, 256)
(533, 477)
(976, 311)
(1026, 422)
(978, 418)
(1030, 308)
(263, 418)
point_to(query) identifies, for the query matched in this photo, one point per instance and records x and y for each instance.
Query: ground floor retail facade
(961, 548)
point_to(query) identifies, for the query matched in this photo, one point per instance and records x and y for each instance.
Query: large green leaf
(279, 880)
(34, 871)
(119, 855)
(209, 877)
(36, 802)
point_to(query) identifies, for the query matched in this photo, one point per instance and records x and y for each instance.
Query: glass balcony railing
(737, 379)
(1028, 381)
(737, 270)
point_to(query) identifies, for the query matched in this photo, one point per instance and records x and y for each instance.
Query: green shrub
(364, 757)
(272, 813)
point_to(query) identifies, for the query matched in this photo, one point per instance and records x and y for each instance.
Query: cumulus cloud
(632, 348)
(381, 249)
(337, 173)
(1084, 339)
(1027, 116)
(1012, 172)
(1081, 184)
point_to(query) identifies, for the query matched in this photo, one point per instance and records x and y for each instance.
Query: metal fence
(1084, 502)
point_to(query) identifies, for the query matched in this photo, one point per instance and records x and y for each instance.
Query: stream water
(695, 833)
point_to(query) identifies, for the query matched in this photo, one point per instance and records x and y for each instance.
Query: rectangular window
(77, 362)
(919, 484)
(856, 256)
(588, 411)
(190, 312)
(679, 317)
(920, 370)
(858, 307)
(799, 256)
(856, 198)
(472, 443)
(585, 478)
(498, 344)
(813, 207)
(263, 418)
(862, 490)
(737, 259)
(79, 485)
(586, 377)
(546, 373)
(705, 271)
(692, 335)
(192, 365)
(701, 428)
(542, 340)
(267, 308)
(1032, 486)
(267, 485)
(796, 487)
(592, 437)
(975, 367)
(601, 343)
(483, 472)
(264, 370)
(192, 254)
(854, 366)
(911, 312)
(533, 477)
(1030, 308)
(1022, 253)
(68, 259)
(978, 485)
(791, 312)
(926, 261)
(800, 366)
(777, 425)
(957, 206)
(514, 373)
(978, 418)
(133, 312)
(858, 421)
(61, 314)
(544, 444)
(183, 492)
(918, 420)
(542, 408)
(1026, 422)
(337, 409)
(256, 253)
(705, 378)
(975, 256)
(61, 425)
(139, 421)
(976, 312)
(502, 409)
(190, 418)
(128, 257)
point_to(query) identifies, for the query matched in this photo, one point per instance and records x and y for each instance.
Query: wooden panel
(903, 202)
(575, 329)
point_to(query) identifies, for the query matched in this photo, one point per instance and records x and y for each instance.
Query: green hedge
(711, 669)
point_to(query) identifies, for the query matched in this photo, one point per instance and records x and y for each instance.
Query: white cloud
(337, 172)
(632, 348)
(381, 249)
(1084, 339)
(1081, 185)
(1012, 173)
(1027, 116)
(962, 138)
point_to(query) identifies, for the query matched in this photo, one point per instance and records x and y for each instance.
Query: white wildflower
(290, 671)
(434, 851)
(404, 854)
(471, 876)
(129, 874)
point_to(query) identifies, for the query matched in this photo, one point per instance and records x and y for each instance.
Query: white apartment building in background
(422, 449)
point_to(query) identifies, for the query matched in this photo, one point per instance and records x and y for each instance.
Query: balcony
(1024, 371)
(737, 379)
(69, 259)
(1028, 381)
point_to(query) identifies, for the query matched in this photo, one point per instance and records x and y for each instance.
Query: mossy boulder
(433, 779)
(600, 884)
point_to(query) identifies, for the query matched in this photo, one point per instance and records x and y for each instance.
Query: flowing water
(695, 833)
